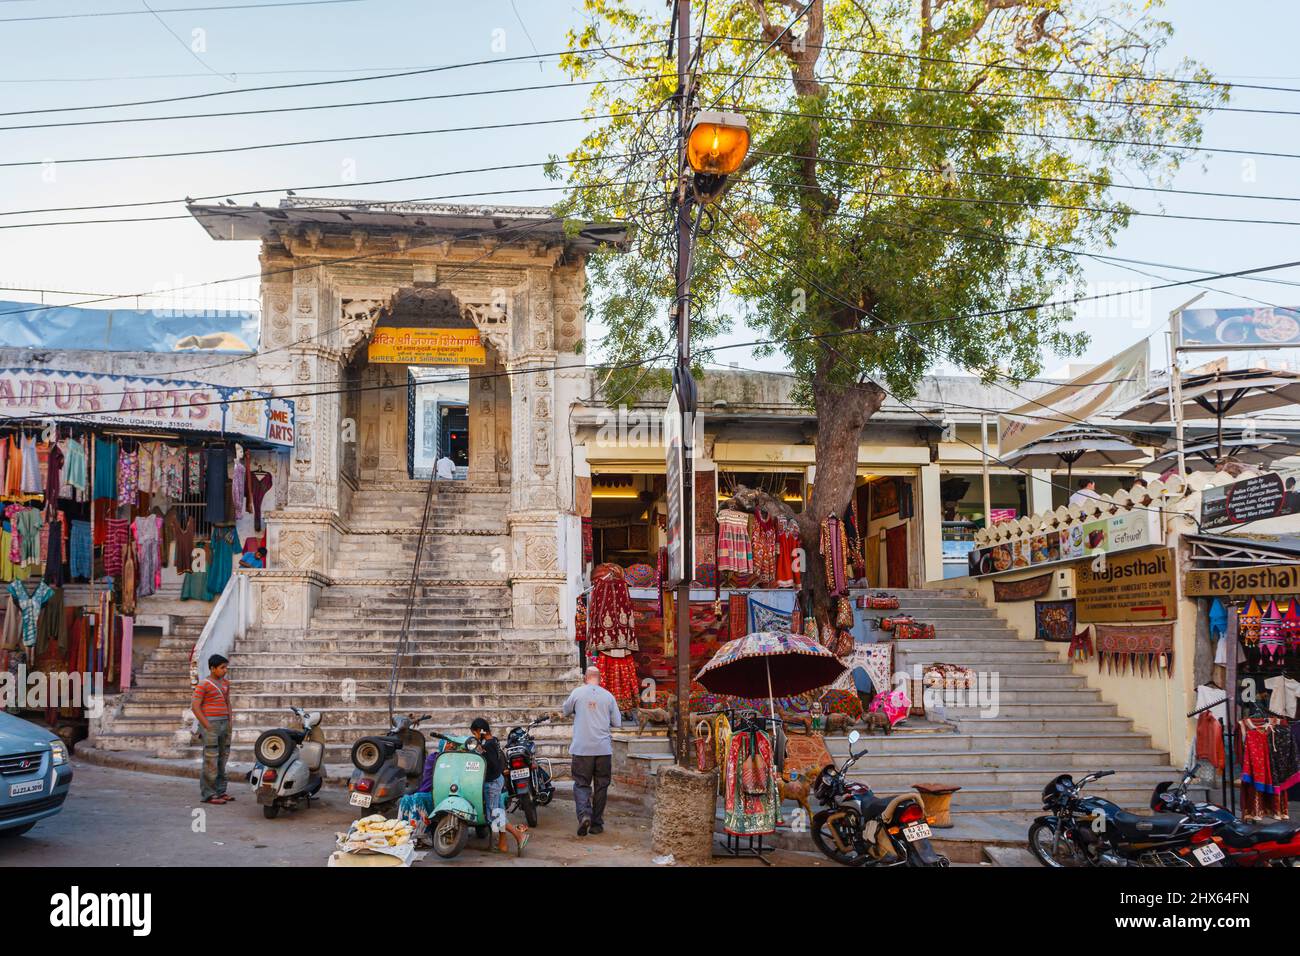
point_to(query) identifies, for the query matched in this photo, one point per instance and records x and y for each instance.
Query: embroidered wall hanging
(1027, 589)
(1144, 649)
(1054, 621)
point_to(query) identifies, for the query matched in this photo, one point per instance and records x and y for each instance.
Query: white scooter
(287, 773)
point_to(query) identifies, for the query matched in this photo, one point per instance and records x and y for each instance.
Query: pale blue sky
(62, 63)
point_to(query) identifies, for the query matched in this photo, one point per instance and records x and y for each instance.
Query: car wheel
(273, 748)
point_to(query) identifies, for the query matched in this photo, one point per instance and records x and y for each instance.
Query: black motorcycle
(1091, 831)
(857, 828)
(528, 779)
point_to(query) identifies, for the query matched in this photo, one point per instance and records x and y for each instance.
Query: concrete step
(1035, 711)
(994, 726)
(944, 643)
(415, 660)
(375, 676)
(1065, 761)
(1030, 778)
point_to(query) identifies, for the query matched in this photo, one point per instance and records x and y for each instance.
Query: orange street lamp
(715, 148)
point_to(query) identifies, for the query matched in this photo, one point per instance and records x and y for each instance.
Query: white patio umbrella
(1203, 453)
(1219, 395)
(1086, 447)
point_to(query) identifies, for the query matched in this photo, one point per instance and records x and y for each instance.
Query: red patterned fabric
(618, 676)
(762, 533)
(738, 615)
(609, 615)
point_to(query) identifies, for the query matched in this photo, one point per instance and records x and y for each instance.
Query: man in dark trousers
(595, 713)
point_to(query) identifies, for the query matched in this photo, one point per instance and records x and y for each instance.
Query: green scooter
(457, 795)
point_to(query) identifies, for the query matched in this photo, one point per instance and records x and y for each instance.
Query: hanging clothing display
(53, 470)
(238, 484)
(31, 483)
(146, 459)
(178, 528)
(13, 467)
(55, 532)
(170, 469)
(610, 624)
(29, 606)
(1262, 793)
(835, 546)
(52, 624)
(148, 552)
(259, 483)
(225, 546)
(128, 639)
(1283, 692)
(105, 483)
(128, 581)
(29, 534)
(79, 550)
(788, 574)
(74, 466)
(116, 541)
(215, 464)
(618, 676)
(734, 549)
(128, 476)
(752, 799)
(762, 535)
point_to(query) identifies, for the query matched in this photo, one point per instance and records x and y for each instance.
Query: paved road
(123, 817)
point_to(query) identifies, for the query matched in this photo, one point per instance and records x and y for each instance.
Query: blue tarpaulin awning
(31, 325)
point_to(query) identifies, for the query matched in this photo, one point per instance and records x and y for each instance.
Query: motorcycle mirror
(854, 737)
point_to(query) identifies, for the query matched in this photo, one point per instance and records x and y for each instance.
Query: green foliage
(903, 174)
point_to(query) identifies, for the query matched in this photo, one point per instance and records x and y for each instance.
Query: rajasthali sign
(1126, 588)
(1261, 328)
(142, 402)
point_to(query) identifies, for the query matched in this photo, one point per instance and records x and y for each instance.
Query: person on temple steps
(595, 714)
(211, 705)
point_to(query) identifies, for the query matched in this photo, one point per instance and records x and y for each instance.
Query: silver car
(35, 775)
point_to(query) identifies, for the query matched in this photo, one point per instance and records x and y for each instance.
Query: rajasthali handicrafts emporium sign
(1126, 588)
(1258, 579)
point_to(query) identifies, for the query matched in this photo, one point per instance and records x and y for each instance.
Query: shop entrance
(886, 513)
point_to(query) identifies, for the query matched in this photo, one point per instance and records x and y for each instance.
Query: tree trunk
(842, 412)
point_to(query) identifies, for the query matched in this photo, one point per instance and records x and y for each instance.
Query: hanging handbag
(704, 750)
(843, 644)
(843, 613)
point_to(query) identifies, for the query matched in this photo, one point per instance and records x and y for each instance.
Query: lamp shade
(717, 143)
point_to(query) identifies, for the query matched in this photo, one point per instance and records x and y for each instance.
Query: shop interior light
(717, 143)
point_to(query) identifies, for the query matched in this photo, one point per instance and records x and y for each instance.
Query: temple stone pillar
(537, 577)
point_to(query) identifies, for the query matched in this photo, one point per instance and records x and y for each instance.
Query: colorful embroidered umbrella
(769, 664)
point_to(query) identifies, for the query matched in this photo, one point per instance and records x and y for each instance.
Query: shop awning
(94, 399)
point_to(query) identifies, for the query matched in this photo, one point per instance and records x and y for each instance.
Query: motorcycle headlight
(58, 753)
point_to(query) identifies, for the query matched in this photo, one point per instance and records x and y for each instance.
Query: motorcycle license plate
(359, 799)
(1205, 855)
(917, 831)
(520, 774)
(265, 796)
(23, 789)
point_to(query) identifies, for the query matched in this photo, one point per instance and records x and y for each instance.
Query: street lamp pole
(683, 384)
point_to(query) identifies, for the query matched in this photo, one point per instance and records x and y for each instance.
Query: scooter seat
(296, 735)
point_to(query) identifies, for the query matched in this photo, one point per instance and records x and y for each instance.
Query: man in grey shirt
(595, 713)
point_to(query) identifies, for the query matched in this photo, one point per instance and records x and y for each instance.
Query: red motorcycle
(1243, 844)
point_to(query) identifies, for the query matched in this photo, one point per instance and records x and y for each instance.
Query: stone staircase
(147, 716)
(462, 658)
(1047, 720)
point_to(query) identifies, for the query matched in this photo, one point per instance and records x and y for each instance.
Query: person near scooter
(494, 782)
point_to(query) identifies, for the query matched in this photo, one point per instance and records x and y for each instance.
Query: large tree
(918, 167)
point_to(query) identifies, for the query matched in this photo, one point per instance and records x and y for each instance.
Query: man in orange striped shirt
(211, 706)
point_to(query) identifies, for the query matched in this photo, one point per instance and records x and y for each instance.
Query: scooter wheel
(530, 811)
(450, 835)
(271, 811)
(273, 748)
(369, 754)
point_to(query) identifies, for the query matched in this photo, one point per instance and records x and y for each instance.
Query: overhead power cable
(421, 71)
(483, 127)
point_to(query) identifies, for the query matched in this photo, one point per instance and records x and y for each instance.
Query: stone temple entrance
(333, 270)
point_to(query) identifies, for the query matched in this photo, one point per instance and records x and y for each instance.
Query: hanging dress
(835, 547)
(751, 789)
(74, 467)
(216, 485)
(735, 552)
(31, 483)
(128, 477)
(225, 545)
(610, 625)
(763, 543)
(105, 485)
